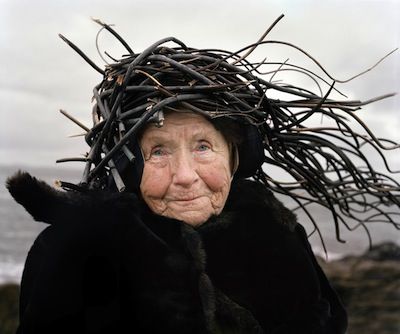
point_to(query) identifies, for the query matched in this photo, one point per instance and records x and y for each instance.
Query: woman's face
(186, 172)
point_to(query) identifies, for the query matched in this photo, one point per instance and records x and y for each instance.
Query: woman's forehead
(177, 121)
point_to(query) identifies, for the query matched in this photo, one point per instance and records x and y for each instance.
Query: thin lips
(186, 199)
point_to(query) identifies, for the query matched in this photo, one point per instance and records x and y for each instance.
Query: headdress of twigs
(326, 163)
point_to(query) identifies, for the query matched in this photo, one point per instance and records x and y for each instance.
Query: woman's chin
(193, 218)
(192, 212)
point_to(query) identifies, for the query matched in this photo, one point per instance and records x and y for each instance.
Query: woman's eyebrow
(161, 135)
(202, 133)
(157, 137)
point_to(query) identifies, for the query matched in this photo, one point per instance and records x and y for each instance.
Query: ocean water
(18, 230)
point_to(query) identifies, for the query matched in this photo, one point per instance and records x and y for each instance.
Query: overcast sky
(40, 74)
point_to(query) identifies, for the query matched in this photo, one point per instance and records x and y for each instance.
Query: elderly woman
(174, 228)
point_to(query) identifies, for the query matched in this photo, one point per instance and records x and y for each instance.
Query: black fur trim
(49, 205)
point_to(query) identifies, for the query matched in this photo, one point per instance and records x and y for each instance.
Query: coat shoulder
(50, 205)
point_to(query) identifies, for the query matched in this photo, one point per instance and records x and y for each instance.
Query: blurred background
(40, 74)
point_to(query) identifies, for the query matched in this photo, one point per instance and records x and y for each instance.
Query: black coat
(107, 263)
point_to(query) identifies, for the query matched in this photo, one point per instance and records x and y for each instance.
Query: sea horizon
(18, 230)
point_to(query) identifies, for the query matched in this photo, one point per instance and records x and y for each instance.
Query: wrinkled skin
(187, 174)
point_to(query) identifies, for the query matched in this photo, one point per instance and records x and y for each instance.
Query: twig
(84, 127)
(86, 58)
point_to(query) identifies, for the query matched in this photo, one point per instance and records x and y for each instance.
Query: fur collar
(50, 205)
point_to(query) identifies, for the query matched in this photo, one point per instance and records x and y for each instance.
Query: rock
(387, 252)
(369, 286)
(9, 294)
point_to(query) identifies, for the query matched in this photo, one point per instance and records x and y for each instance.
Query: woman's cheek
(218, 180)
(215, 176)
(155, 182)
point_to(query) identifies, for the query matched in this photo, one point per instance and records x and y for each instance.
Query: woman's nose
(184, 171)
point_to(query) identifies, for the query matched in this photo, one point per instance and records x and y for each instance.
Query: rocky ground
(8, 308)
(369, 286)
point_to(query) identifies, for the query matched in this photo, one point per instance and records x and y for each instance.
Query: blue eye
(203, 147)
(158, 152)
